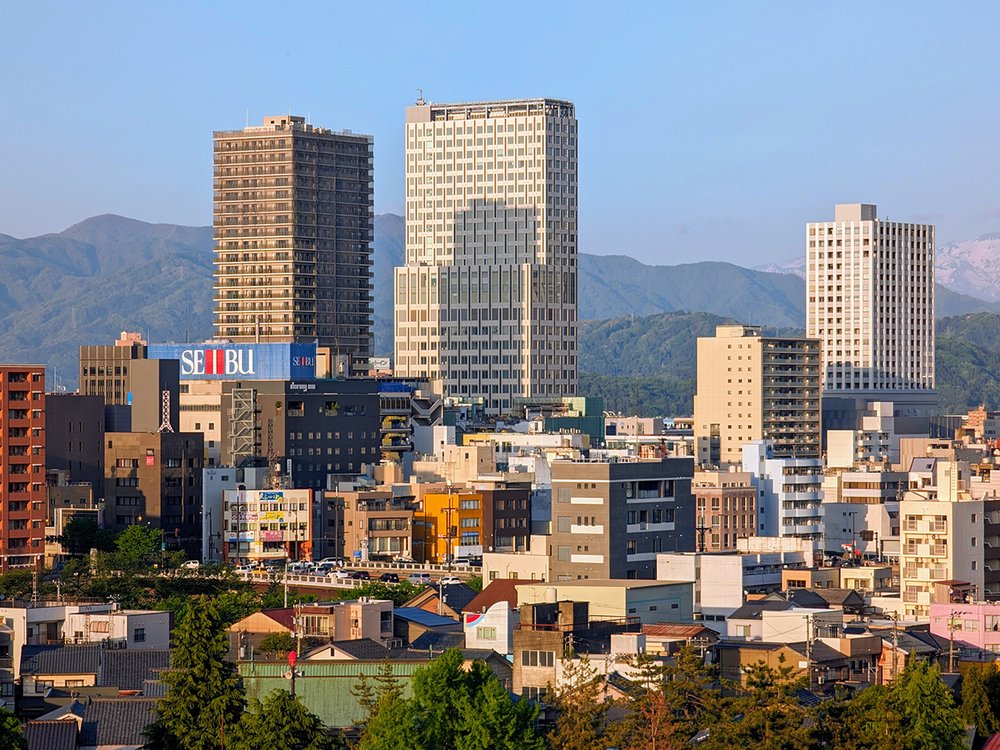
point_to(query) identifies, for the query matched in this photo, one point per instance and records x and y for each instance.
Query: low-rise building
(726, 503)
(263, 525)
(723, 579)
(648, 601)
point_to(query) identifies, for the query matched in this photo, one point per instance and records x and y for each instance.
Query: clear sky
(707, 130)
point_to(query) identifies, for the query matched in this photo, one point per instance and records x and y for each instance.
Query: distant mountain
(968, 268)
(109, 273)
(971, 266)
(612, 285)
(648, 365)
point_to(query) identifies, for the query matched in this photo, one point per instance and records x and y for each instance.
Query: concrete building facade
(789, 493)
(486, 303)
(726, 503)
(870, 301)
(23, 494)
(756, 387)
(610, 519)
(293, 227)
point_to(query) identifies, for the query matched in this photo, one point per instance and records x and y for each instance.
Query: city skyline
(706, 96)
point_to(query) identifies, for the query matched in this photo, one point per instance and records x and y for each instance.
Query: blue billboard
(223, 361)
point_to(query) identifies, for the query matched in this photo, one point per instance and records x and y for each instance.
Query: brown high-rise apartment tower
(293, 225)
(22, 465)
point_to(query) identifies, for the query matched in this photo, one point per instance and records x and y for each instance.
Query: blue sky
(708, 130)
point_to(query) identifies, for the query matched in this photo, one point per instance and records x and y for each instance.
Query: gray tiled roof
(85, 659)
(117, 721)
(51, 735)
(128, 669)
(154, 688)
(362, 648)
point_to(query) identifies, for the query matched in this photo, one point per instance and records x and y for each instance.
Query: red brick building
(22, 465)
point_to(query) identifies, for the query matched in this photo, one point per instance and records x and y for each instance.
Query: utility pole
(951, 641)
(809, 635)
(895, 642)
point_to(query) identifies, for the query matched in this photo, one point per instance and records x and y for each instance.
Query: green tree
(765, 714)
(930, 718)
(868, 721)
(11, 736)
(137, 548)
(377, 691)
(475, 583)
(451, 709)
(204, 695)
(492, 721)
(582, 711)
(17, 584)
(976, 705)
(278, 643)
(280, 722)
(82, 534)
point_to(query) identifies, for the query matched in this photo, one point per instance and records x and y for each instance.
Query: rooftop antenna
(165, 425)
(420, 98)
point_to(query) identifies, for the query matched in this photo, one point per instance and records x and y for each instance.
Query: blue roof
(422, 617)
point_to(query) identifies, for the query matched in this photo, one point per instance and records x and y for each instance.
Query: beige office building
(871, 304)
(756, 387)
(486, 302)
(293, 227)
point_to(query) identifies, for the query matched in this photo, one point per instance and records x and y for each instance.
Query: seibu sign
(217, 360)
(196, 362)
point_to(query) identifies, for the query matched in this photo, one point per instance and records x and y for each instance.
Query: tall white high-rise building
(870, 302)
(486, 303)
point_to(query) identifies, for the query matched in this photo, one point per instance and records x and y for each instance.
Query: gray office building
(610, 519)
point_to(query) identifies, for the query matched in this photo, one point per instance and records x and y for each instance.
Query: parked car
(361, 575)
(449, 580)
(332, 561)
(419, 578)
(389, 578)
(342, 574)
(190, 565)
(461, 561)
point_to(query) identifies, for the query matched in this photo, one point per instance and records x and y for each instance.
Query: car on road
(461, 561)
(342, 574)
(361, 575)
(449, 580)
(190, 565)
(332, 561)
(404, 559)
(419, 578)
(389, 578)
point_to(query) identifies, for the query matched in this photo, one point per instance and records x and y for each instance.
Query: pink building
(977, 624)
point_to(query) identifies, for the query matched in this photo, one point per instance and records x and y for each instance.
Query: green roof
(325, 687)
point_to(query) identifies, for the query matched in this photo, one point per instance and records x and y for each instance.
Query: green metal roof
(324, 686)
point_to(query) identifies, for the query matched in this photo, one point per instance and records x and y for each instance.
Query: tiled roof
(821, 653)
(117, 721)
(154, 688)
(85, 659)
(458, 596)
(51, 735)
(128, 669)
(363, 648)
(283, 616)
(667, 630)
(421, 617)
(499, 590)
(751, 610)
(807, 598)
(993, 743)
(439, 641)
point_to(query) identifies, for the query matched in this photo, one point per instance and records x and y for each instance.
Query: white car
(449, 580)
(190, 565)
(419, 578)
(341, 574)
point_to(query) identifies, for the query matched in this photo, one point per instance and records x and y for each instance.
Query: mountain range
(110, 273)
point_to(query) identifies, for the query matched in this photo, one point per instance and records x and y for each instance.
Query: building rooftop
(422, 617)
(605, 582)
(498, 590)
(117, 721)
(59, 659)
(59, 734)
(130, 669)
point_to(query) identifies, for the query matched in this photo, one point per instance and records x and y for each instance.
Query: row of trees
(681, 705)
(205, 706)
(452, 706)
